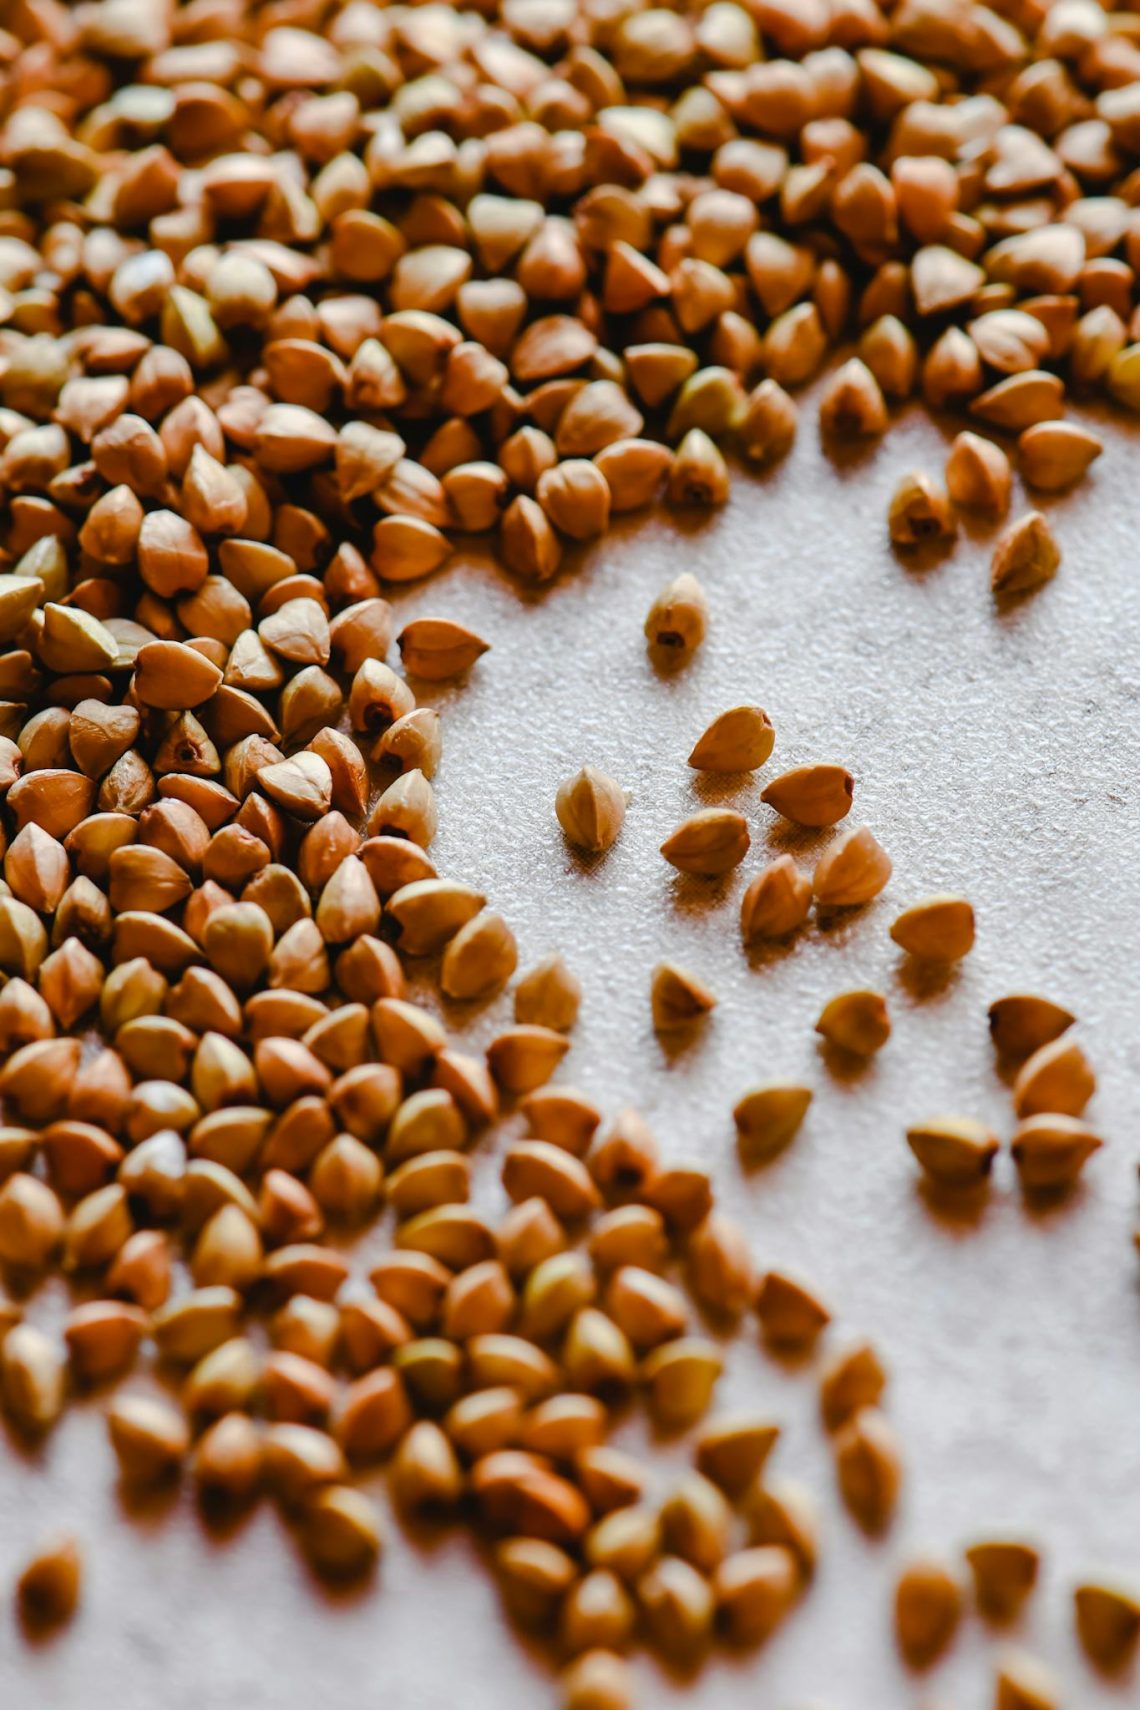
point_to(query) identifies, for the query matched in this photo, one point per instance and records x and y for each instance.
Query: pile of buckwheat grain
(294, 298)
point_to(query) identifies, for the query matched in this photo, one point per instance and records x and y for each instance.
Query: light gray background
(995, 753)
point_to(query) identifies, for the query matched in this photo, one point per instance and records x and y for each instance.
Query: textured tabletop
(996, 753)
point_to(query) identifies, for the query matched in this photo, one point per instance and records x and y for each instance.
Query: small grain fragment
(1022, 1023)
(677, 619)
(548, 995)
(768, 1117)
(48, 1587)
(852, 1379)
(1108, 1624)
(1055, 455)
(1024, 1683)
(1050, 1151)
(739, 740)
(817, 795)
(776, 902)
(937, 929)
(920, 513)
(869, 1467)
(955, 1151)
(709, 843)
(1057, 1078)
(856, 1021)
(591, 810)
(791, 1314)
(1025, 557)
(678, 997)
(1005, 1573)
(978, 476)
(597, 1680)
(928, 1608)
(851, 871)
(852, 404)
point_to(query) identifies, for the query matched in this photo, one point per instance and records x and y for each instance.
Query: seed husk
(1005, 1572)
(1050, 1151)
(1057, 1079)
(768, 1117)
(937, 929)
(856, 1021)
(928, 1608)
(815, 795)
(678, 997)
(1108, 1624)
(776, 902)
(739, 740)
(591, 810)
(709, 843)
(851, 871)
(1025, 557)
